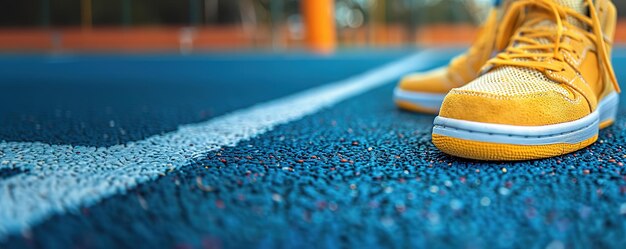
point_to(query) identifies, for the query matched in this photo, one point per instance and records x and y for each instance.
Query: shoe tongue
(576, 5)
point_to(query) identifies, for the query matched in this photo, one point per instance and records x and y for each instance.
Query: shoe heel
(608, 109)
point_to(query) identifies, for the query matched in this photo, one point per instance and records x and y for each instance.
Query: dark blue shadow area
(102, 100)
(361, 175)
(6, 173)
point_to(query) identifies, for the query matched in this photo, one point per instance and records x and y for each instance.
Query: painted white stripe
(62, 178)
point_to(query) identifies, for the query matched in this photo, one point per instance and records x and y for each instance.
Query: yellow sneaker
(547, 94)
(424, 92)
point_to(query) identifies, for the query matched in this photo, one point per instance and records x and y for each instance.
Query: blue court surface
(266, 150)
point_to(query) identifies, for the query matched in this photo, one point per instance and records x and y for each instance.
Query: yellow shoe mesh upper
(513, 81)
(516, 81)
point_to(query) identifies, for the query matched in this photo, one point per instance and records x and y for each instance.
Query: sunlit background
(196, 25)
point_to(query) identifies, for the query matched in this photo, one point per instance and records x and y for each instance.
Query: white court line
(63, 178)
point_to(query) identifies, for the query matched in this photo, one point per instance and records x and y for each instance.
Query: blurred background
(198, 25)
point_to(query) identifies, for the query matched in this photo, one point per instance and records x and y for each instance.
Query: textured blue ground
(361, 174)
(71, 99)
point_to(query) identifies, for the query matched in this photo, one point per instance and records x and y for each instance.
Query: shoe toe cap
(535, 109)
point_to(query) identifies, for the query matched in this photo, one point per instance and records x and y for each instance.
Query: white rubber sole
(426, 100)
(570, 132)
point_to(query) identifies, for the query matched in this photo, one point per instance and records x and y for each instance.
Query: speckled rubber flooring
(360, 174)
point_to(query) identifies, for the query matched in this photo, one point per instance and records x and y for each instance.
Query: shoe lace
(526, 50)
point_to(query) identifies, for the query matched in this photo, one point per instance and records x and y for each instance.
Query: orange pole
(86, 16)
(319, 25)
